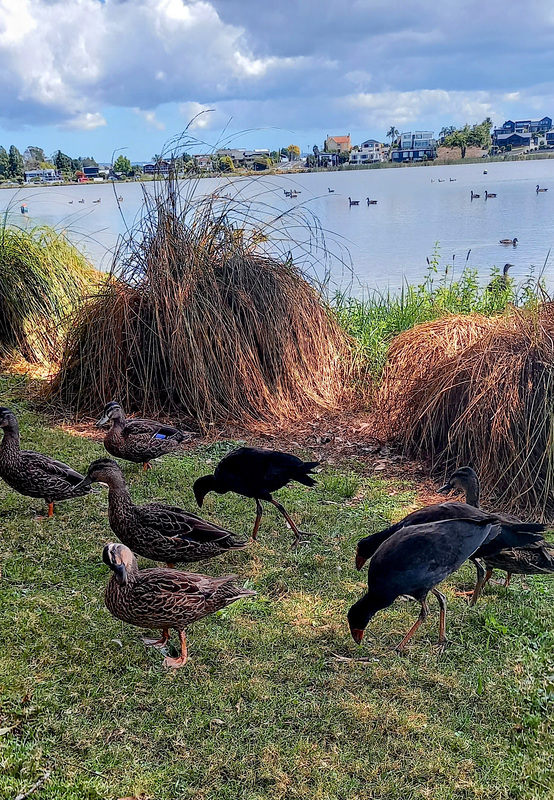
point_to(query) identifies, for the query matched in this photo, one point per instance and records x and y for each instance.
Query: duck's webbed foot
(159, 643)
(180, 661)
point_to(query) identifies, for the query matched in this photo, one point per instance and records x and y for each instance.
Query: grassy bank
(263, 708)
(373, 321)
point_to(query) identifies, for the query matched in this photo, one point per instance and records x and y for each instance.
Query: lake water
(385, 243)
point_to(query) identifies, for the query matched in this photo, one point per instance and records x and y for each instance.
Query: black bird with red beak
(413, 561)
(254, 472)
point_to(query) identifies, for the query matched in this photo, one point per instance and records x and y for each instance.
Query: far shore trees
(478, 135)
(122, 166)
(293, 152)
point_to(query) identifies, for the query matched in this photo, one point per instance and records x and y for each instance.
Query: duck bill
(357, 635)
(102, 421)
(360, 561)
(445, 489)
(84, 483)
(120, 574)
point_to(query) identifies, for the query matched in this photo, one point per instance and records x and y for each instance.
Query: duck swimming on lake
(164, 598)
(489, 194)
(510, 241)
(138, 440)
(474, 196)
(353, 202)
(538, 189)
(253, 472)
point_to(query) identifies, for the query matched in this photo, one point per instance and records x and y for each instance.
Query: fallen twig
(34, 787)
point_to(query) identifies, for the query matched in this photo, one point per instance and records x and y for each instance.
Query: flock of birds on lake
(409, 558)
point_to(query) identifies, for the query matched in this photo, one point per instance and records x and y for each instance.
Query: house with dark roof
(369, 152)
(525, 128)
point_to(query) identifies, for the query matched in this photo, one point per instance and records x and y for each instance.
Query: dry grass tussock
(205, 320)
(486, 399)
(43, 277)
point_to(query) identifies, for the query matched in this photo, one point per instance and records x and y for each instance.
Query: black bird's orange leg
(146, 465)
(159, 643)
(508, 579)
(259, 512)
(50, 509)
(422, 617)
(181, 660)
(442, 617)
(288, 518)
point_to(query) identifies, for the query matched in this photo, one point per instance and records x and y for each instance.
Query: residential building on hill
(236, 156)
(369, 152)
(415, 146)
(338, 144)
(521, 132)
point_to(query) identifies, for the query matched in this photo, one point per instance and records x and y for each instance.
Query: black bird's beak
(357, 635)
(360, 561)
(445, 489)
(120, 574)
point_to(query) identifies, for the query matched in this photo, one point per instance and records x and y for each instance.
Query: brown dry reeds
(202, 321)
(489, 405)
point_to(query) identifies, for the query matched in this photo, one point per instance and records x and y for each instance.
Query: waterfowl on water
(120, 198)
(513, 241)
(97, 201)
(441, 180)
(34, 474)
(164, 598)
(330, 190)
(81, 201)
(519, 549)
(412, 562)
(371, 202)
(475, 196)
(353, 202)
(453, 180)
(138, 440)
(513, 532)
(538, 189)
(253, 472)
(489, 194)
(156, 531)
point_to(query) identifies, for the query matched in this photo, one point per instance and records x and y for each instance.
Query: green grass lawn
(262, 709)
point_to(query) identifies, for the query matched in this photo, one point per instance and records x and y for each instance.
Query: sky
(92, 76)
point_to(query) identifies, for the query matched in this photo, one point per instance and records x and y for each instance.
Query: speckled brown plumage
(164, 598)
(138, 440)
(156, 531)
(34, 474)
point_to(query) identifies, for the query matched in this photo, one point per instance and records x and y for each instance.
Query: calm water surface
(386, 243)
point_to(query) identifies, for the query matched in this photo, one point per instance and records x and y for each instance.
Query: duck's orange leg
(180, 661)
(159, 643)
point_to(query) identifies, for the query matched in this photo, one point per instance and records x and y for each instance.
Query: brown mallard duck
(34, 474)
(138, 440)
(164, 598)
(156, 531)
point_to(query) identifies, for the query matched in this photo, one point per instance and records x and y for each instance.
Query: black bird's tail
(302, 474)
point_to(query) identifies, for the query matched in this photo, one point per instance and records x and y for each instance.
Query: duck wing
(152, 429)
(182, 596)
(175, 522)
(51, 467)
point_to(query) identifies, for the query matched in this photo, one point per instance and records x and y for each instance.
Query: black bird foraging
(412, 562)
(34, 474)
(138, 440)
(253, 472)
(156, 531)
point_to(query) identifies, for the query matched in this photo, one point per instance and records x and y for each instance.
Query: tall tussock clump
(43, 277)
(491, 405)
(203, 321)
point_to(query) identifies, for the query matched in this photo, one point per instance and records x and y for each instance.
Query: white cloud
(150, 118)
(86, 121)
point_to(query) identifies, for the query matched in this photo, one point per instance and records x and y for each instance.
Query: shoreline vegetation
(210, 319)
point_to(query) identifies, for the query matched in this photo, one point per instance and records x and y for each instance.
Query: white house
(43, 175)
(369, 152)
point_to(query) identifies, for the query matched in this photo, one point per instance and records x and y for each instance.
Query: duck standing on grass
(156, 531)
(138, 440)
(412, 562)
(253, 472)
(34, 474)
(164, 598)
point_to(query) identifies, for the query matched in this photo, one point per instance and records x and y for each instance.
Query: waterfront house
(254, 159)
(159, 168)
(526, 129)
(509, 140)
(415, 146)
(91, 172)
(203, 162)
(43, 176)
(369, 152)
(338, 144)
(236, 156)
